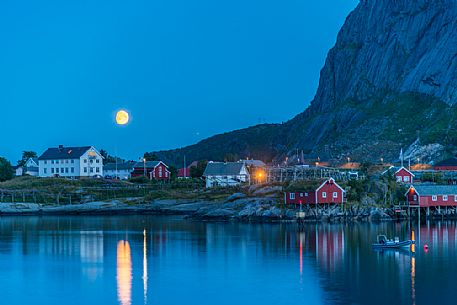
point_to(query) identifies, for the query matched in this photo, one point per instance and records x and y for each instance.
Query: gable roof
(223, 169)
(57, 153)
(332, 181)
(395, 169)
(402, 167)
(256, 163)
(149, 164)
(448, 162)
(120, 166)
(431, 189)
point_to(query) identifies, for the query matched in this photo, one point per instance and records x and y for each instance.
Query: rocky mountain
(389, 82)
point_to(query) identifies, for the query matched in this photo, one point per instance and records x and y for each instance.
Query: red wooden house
(185, 171)
(401, 174)
(329, 192)
(446, 165)
(156, 170)
(432, 195)
(404, 175)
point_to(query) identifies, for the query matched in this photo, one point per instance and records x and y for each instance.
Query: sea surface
(168, 260)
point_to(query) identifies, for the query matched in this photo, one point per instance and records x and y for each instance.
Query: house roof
(256, 163)
(120, 166)
(57, 153)
(448, 162)
(149, 164)
(431, 189)
(223, 169)
(395, 169)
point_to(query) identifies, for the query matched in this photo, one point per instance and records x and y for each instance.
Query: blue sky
(185, 70)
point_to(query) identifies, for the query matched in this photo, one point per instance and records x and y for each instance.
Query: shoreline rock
(235, 208)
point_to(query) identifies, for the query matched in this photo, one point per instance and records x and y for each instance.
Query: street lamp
(144, 167)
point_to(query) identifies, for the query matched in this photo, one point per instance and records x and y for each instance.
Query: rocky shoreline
(237, 207)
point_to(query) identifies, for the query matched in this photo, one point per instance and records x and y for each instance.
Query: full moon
(122, 117)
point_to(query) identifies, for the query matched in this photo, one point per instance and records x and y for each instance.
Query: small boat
(385, 243)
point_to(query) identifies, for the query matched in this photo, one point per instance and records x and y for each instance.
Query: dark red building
(446, 165)
(432, 195)
(156, 170)
(403, 175)
(329, 192)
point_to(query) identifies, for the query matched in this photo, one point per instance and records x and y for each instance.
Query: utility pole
(185, 168)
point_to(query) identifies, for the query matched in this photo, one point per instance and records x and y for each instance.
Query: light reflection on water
(159, 260)
(124, 273)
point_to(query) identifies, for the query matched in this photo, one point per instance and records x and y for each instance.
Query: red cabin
(156, 170)
(446, 165)
(403, 175)
(432, 195)
(329, 192)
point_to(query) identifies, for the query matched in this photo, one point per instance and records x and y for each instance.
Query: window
(91, 160)
(97, 169)
(66, 170)
(415, 197)
(57, 170)
(72, 170)
(52, 161)
(52, 170)
(455, 198)
(398, 179)
(406, 178)
(91, 169)
(72, 161)
(335, 194)
(45, 162)
(57, 162)
(97, 161)
(166, 174)
(444, 197)
(324, 194)
(66, 161)
(306, 194)
(434, 198)
(45, 170)
(292, 196)
(301, 194)
(85, 169)
(85, 160)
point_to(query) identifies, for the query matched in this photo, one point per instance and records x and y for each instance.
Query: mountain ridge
(389, 82)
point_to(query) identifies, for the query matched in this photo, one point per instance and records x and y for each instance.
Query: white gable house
(225, 174)
(30, 168)
(63, 161)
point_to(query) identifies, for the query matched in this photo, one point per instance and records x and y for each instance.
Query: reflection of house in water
(327, 244)
(91, 253)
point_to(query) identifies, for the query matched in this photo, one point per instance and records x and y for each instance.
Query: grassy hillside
(365, 130)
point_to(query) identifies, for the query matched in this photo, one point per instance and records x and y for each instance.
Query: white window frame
(292, 196)
(406, 179)
(445, 198)
(335, 195)
(455, 198)
(324, 194)
(434, 198)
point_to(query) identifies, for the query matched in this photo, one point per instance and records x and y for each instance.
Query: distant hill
(389, 82)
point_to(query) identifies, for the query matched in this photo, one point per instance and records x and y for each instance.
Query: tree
(6, 170)
(26, 155)
(149, 156)
(197, 171)
(107, 158)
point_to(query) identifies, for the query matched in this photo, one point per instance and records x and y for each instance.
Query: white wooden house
(225, 174)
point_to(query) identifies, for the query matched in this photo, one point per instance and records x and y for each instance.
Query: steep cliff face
(393, 45)
(389, 81)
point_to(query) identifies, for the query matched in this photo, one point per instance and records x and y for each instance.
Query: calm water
(158, 260)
